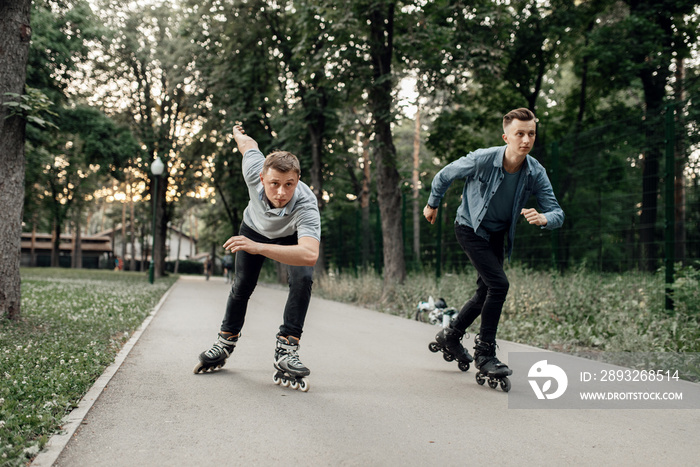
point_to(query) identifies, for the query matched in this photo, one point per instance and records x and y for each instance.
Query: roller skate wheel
(198, 368)
(294, 384)
(433, 347)
(493, 384)
(276, 379)
(505, 384)
(464, 366)
(303, 385)
(447, 357)
(480, 379)
(285, 382)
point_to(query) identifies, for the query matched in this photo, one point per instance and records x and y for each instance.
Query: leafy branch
(31, 106)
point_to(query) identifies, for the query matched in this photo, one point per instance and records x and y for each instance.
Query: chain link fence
(630, 190)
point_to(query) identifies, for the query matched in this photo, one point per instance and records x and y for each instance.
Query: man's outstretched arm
(243, 141)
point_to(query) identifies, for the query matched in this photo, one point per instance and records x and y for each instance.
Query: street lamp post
(157, 168)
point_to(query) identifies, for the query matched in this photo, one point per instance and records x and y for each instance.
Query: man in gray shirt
(281, 222)
(498, 183)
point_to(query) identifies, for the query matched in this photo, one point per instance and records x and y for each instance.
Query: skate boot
(489, 366)
(449, 342)
(215, 357)
(290, 371)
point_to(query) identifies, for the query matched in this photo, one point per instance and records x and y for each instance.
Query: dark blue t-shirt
(500, 210)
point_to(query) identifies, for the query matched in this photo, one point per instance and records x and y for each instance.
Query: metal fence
(604, 178)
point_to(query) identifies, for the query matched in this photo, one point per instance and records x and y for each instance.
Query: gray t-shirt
(299, 216)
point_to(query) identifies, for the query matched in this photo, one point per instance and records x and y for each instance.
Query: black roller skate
(489, 366)
(449, 342)
(215, 357)
(290, 371)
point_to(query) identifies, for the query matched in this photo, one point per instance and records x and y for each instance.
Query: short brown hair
(282, 161)
(518, 114)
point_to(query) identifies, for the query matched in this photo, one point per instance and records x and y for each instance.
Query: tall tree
(659, 30)
(87, 146)
(148, 54)
(274, 68)
(15, 34)
(62, 32)
(380, 41)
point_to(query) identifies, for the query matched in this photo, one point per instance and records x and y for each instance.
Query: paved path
(378, 397)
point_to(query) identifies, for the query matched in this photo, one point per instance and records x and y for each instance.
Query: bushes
(686, 291)
(574, 312)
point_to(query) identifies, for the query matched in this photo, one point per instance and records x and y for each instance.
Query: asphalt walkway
(377, 397)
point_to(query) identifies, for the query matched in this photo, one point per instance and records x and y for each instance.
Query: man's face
(279, 186)
(520, 136)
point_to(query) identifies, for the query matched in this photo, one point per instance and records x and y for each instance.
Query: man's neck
(512, 162)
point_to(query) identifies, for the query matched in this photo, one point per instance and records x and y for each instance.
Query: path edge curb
(70, 423)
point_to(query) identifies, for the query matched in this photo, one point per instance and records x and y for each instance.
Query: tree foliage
(321, 79)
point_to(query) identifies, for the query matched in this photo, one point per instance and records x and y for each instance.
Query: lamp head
(157, 166)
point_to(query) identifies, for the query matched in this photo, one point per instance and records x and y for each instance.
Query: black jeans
(492, 284)
(247, 272)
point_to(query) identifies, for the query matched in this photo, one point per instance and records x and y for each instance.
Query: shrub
(579, 311)
(686, 291)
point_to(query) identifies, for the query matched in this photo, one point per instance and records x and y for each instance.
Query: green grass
(73, 324)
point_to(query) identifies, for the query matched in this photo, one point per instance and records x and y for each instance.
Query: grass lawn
(74, 322)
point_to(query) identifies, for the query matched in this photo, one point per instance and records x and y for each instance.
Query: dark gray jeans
(247, 272)
(491, 285)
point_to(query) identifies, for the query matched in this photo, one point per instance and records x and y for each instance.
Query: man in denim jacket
(499, 182)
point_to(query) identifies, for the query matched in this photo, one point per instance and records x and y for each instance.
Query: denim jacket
(483, 171)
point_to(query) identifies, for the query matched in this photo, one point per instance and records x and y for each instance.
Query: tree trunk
(231, 213)
(381, 18)
(158, 192)
(681, 160)
(416, 189)
(179, 245)
(15, 34)
(132, 221)
(316, 136)
(77, 262)
(364, 203)
(32, 256)
(144, 248)
(56, 243)
(654, 93)
(654, 77)
(124, 238)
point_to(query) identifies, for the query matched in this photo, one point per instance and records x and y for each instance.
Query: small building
(100, 250)
(37, 247)
(178, 245)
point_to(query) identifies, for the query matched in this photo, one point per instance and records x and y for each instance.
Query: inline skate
(449, 342)
(490, 368)
(215, 357)
(290, 371)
